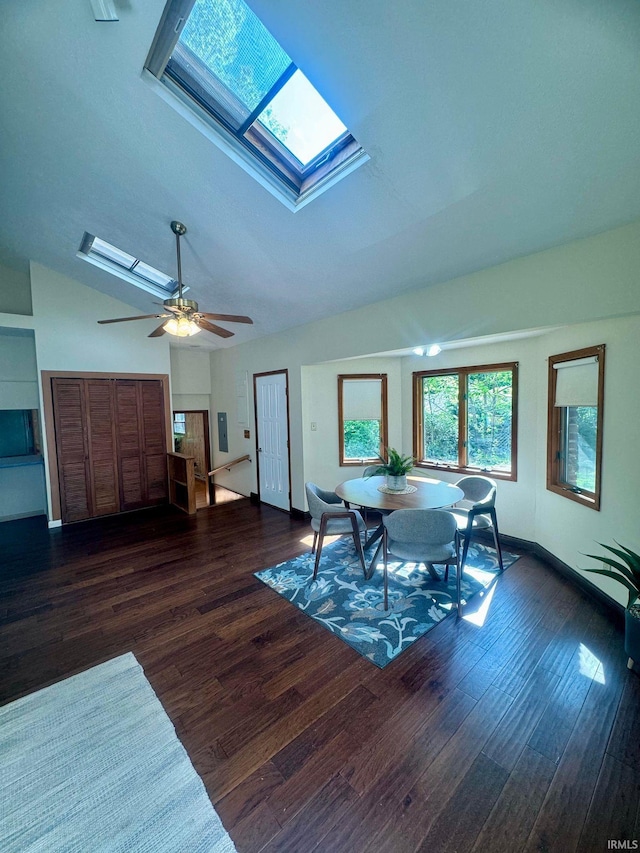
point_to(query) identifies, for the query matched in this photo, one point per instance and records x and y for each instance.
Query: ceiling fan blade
(157, 332)
(230, 318)
(217, 330)
(141, 317)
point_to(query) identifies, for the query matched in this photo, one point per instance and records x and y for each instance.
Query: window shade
(577, 382)
(362, 400)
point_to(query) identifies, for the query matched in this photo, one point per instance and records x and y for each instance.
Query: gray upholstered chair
(330, 517)
(478, 511)
(428, 536)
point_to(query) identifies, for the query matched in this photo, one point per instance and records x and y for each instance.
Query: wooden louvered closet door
(129, 431)
(111, 445)
(71, 444)
(102, 449)
(154, 447)
(141, 442)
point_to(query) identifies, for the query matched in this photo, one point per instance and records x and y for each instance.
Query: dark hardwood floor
(519, 733)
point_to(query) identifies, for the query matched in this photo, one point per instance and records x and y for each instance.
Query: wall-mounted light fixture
(434, 349)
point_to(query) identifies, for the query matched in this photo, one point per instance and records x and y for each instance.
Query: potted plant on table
(396, 469)
(625, 571)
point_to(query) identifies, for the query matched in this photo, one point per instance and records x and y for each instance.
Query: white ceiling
(496, 128)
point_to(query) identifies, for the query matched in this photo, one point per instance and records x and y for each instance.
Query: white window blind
(362, 400)
(577, 382)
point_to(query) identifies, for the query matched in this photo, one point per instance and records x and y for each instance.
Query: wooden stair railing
(226, 467)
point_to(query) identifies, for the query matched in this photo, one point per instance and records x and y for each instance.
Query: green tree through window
(465, 418)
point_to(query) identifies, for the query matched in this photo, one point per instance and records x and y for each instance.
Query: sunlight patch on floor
(589, 665)
(479, 616)
(308, 540)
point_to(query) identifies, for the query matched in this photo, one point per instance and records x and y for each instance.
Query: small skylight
(102, 254)
(221, 60)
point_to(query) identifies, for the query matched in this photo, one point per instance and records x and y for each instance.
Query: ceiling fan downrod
(183, 304)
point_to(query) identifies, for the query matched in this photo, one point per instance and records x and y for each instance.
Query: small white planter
(396, 484)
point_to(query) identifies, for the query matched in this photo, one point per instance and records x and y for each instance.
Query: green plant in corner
(625, 571)
(396, 466)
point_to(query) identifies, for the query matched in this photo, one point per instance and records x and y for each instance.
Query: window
(179, 425)
(362, 416)
(465, 419)
(217, 57)
(102, 254)
(574, 438)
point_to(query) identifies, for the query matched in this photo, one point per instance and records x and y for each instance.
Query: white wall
(22, 491)
(18, 371)
(320, 406)
(190, 380)
(15, 291)
(68, 337)
(190, 371)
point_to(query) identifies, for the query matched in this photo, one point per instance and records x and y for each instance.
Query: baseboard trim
(581, 582)
(17, 516)
(299, 514)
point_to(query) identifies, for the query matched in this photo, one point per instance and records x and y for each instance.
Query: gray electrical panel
(223, 438)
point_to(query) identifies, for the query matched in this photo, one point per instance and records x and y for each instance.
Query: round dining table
(428, 494)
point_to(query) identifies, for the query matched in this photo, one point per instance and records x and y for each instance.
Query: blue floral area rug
(353, 609)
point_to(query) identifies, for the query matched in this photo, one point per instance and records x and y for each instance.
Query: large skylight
(112, 259)
(217, 56)
(300, 118)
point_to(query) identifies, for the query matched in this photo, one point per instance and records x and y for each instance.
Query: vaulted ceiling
(496, 128)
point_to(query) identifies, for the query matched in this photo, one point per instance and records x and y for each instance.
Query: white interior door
(272, 431)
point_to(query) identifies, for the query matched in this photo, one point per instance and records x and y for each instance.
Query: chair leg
(496, 537)
(358, 543)
(374, 561)
(467, 536)
(315, 540)
(432, 571)
(386, 559)
(321, 532)
(458, 574)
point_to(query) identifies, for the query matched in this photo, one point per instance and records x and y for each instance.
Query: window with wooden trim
(465, 419)
(575, 417)
(362, 417)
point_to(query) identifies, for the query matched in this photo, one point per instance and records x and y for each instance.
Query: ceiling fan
(184, 318)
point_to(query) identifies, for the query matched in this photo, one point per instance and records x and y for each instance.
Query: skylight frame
(101, 257)
(251, 145)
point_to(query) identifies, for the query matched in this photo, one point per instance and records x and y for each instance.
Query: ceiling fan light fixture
(181, 327)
